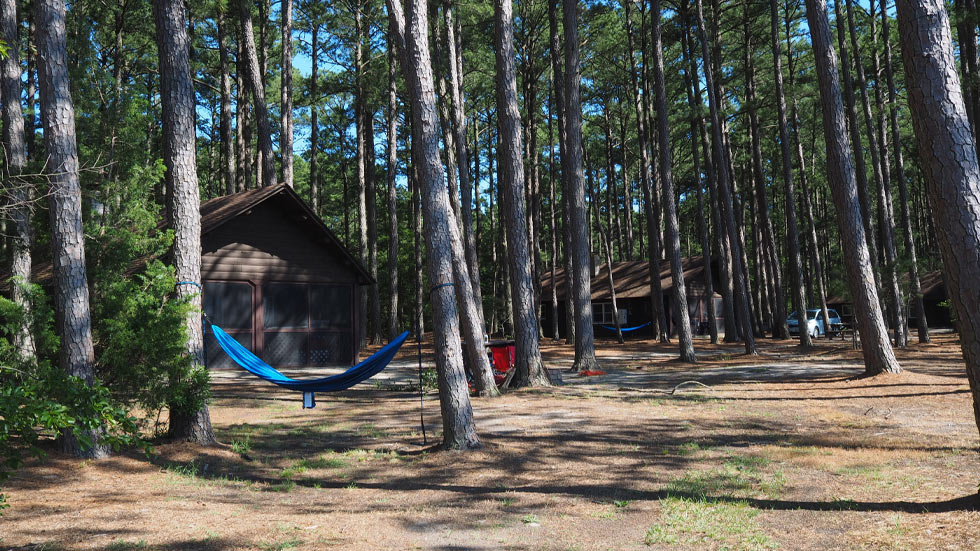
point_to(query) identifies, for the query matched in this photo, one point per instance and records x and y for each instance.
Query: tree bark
(878, 354)
(392, 190)
(915, 288)
(314, 118)
(19, 192)
(653, 225)
(855, 133)
(286, 92)
(690, 74)
(529, 369)
(243, 136)
(459, 133)
(73, 317)
(227, 139)
(442, 235)
(179, 155)
(585, 359)
(947, 151)
(815, 254)
(884, 214)
(776, 311)
(551, 205)
(792, 231)
(254, 76)
(682, 318)
(724, 195)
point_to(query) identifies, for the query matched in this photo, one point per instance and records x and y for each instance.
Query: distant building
(633, 298)
(279, 281)
(934, 298)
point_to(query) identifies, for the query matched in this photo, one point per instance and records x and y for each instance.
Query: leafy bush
(37, 398)
(139, 330)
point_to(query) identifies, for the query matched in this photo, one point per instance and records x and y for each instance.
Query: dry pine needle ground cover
(781, 451)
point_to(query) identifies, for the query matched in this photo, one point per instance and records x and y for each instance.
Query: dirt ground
(780, 451)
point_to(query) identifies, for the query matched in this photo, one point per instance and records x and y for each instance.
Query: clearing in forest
(781, 451)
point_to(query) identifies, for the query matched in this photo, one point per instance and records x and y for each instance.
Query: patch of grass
(530, 519)
(621, 503)
(697, 522)
(280, 545)
(740, 477)
(285, 486)
(242, 447)
(187, 470)
(688, 448)
(371, 431)
(330, 461)
(122, 545)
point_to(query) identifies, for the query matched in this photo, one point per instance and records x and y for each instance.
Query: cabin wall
(271, 245)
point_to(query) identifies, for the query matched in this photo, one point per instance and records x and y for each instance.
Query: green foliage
(38, 399)
(140, 335)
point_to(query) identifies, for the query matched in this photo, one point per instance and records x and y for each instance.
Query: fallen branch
(662, 391)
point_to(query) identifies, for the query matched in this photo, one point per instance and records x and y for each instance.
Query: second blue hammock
(341, 381)
(625, 329)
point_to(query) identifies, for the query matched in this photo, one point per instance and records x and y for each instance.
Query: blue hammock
(625, 329)
(360, 372)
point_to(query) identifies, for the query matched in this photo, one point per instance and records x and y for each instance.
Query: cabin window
(602, 314)
(307, 324)
(286, 306)
(229, 306)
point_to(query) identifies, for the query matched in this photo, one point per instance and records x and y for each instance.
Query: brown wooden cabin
(279, 281)
(632, 283)
(934, 299)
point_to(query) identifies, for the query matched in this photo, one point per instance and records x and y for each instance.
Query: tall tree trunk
(724, 258)
(551, 204)
(792, 231)
(243, 136)
(392, 168)
(890, 283)
(682, 318)
(607, 249)
(286, 93)
(442, 235)
(371, 194)
(554, 49)
(31, 114)
(254, 75)
(966, 30)
(653, 225)
(530, 370)
(947, 151)
(73, 318)
(915, 288)
(814, 243)
(227, 139)
(20, 192)
(179, 155)
(314, 119)
(585, 359)
(777, 300)
(459, 133)
(878, 354)
(417, 227)
(886, 207)
(855, 133)
(724, 195)
(362, 119)
(690, 74)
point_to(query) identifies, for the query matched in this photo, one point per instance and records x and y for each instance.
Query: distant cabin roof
(932, 284)
(220, 210)
(631, 278)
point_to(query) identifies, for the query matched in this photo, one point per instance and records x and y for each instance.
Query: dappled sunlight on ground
(782, 450)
